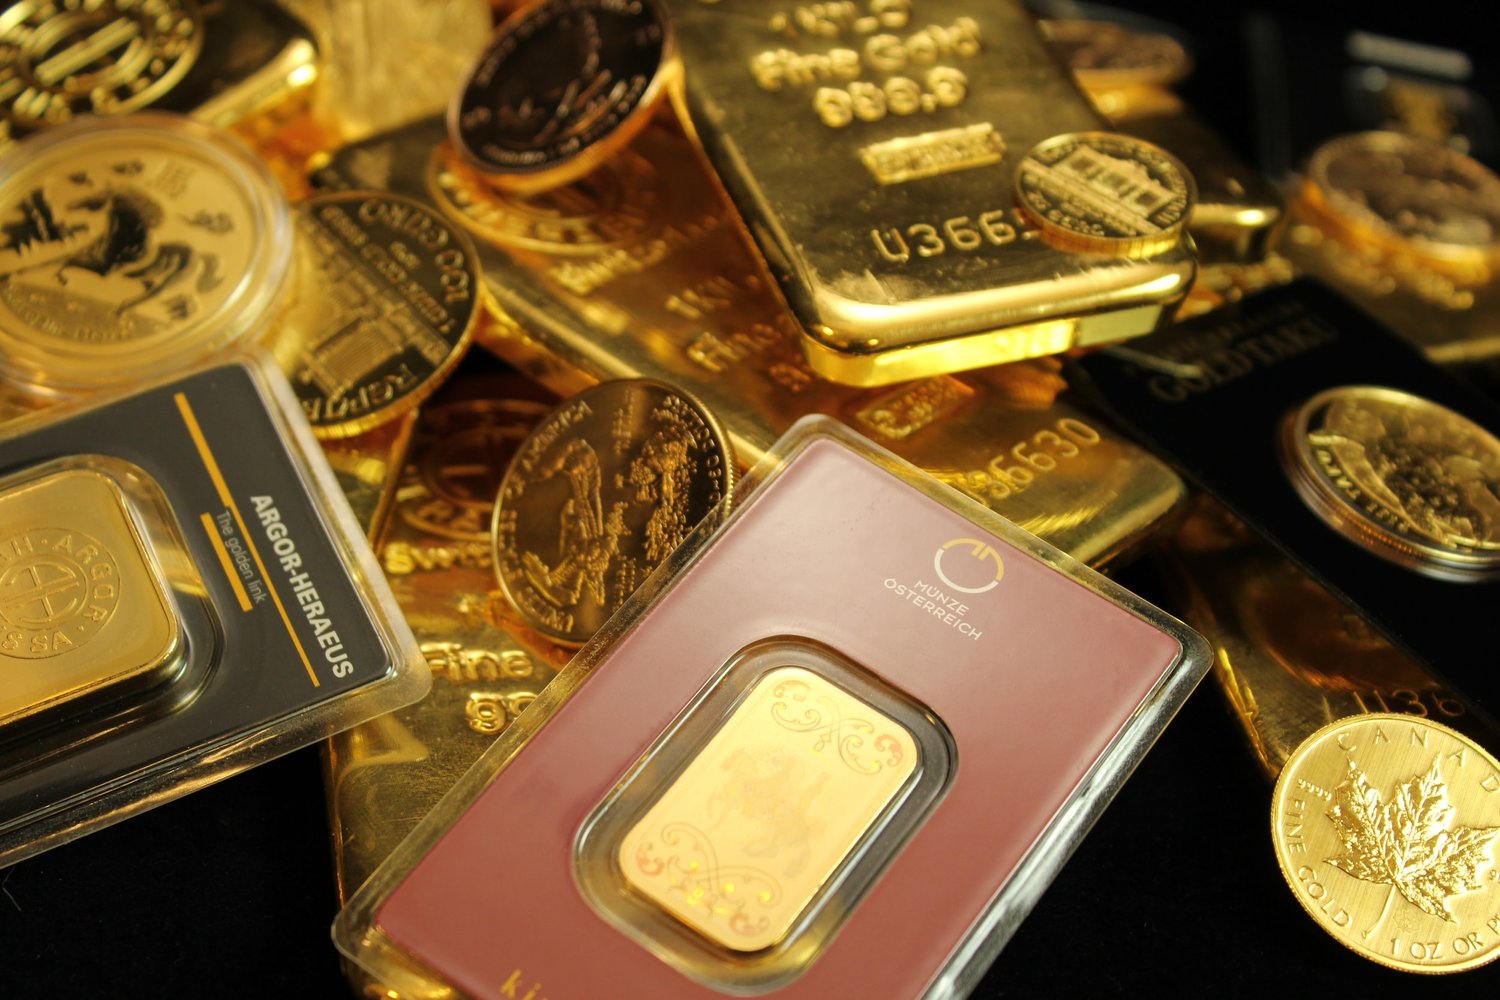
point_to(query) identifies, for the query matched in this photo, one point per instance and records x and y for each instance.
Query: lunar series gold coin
(130, 247)
(1386, 829)
(597, 496)
(386, 302)
(1104, 55)
(1410, 194)
(1100, 192)
(1401, 476)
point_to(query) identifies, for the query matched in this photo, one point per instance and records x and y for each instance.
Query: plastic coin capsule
(130, 248)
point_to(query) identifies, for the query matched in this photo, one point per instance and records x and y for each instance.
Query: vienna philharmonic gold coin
(1104, 55)
(562, 85)
(59, 61)
(130, 247)
(1414, 193)
(1386, 829)
(1101, 192)
(82, 608)
(604, 488)
(386, 302)
(1412, 481)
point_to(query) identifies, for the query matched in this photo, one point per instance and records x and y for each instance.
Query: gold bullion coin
(386, 303)
(597, 495)
(1385, 827)
(60, 61)
(1106, 56)
(1407, 479)
(1412, 193)
(1101, 192)
(131, 246)
(562, 85)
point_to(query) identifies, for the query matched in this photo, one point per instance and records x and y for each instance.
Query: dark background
(230, 891)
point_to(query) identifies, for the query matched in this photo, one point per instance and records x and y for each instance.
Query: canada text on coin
(1418, 194)
(1408, 479)
(58, 588)
(604, 488)
(106, 57)
(1386, 828)
(561, 85)
(1105, 193)
(387, 298)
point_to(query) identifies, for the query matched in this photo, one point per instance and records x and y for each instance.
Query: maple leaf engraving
(1407, 843)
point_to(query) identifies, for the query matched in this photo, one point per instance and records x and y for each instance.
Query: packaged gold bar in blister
(639, 271)
(885, 157)
(183, 594)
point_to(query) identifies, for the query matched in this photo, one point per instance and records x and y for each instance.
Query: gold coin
(107, 57)
(1405, 478)
(387, 299)
(1105, 56)
(598, 495)
(1102, 192)
(131, 246)
(561, 86)
(1386, 828)
(1412, 193)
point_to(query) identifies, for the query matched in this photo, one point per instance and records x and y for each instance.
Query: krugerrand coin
(1386, 828)
(1104, 55)
(386, 300)
(562, 85)
(1412, 193)
(1100, 192)
(1412, 481)
(130, 247)
(600, 492)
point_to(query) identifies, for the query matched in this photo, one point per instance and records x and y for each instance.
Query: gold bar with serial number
(635, 272)
(873, 147)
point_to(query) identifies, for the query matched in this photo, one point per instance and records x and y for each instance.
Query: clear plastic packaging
(183, 594)
(837, 745)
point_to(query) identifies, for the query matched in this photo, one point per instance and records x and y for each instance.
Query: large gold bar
(635, 272)
(872, 147)
(1290, 657)
(384, 775)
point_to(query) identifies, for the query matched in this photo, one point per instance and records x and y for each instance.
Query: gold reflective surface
(1386, 828)
(82, 607)
(1409, 479)
(385, 774)
(1291, 657)
(626, 275)
(873, 157)
(368, 468)
(741, 842)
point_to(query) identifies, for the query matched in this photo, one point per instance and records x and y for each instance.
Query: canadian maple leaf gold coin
(1386, 828)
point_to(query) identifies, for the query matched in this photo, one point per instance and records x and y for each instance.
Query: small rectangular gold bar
(741, 843)
(872, 148)
(83, 611)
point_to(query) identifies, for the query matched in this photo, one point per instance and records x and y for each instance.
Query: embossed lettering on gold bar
(933, 153)
(81, 607)
(743, 840)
